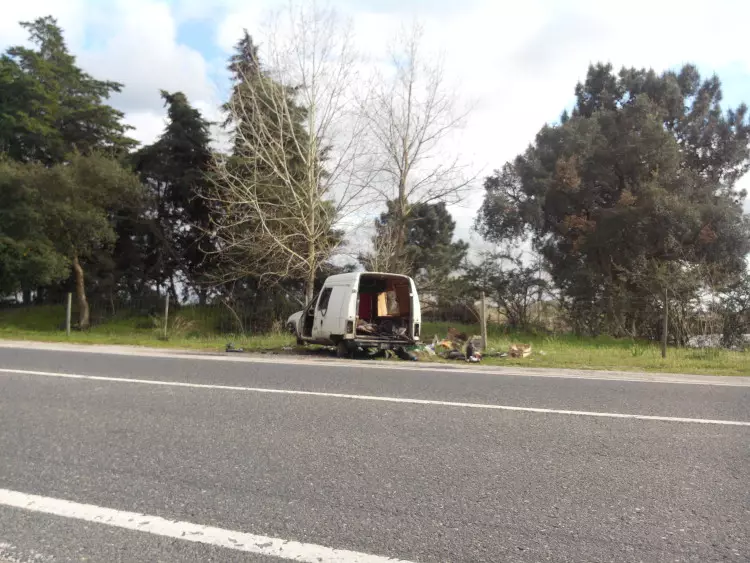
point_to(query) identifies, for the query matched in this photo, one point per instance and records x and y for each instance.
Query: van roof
(351, 277)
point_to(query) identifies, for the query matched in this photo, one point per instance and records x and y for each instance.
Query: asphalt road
(424, 481)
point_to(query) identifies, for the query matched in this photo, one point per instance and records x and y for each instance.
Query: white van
(361, 309)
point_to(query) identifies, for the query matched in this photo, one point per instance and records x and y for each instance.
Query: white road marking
(187, 531)
(425, 368)
(378, 398)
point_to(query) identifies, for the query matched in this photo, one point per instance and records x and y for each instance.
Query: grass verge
(190, 329)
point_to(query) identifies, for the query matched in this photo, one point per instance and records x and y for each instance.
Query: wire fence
(159, 316)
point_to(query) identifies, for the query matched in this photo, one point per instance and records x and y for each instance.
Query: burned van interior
(383, 306)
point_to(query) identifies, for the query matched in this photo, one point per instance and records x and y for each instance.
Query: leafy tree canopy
(643, 171)
(49, 107)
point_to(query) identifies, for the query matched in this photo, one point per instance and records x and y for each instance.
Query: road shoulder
(734, 381)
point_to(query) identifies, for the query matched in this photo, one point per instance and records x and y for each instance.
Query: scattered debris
(474, 347)
(230, 348)
(494, 354)
(366, 328)
(421, 350)
(386, 327)
(519, 350)
(455, 336)
(457, 346)
(404, 354)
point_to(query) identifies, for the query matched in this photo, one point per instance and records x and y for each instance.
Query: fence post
(68, 313)
(483, 320)
(666, 324)
(166, 314)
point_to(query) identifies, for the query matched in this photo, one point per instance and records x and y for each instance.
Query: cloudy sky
(517, 61)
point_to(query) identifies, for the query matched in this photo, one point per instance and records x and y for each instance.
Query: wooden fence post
(666, 324)
(68, 313)
(166, 314)
(483, 320)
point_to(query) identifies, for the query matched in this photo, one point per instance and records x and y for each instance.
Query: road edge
(142, 351)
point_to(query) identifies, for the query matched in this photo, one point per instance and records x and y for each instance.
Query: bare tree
(409, 115)
(384, 255)
(299, 171)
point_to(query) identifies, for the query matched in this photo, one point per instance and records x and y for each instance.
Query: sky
(516, 62)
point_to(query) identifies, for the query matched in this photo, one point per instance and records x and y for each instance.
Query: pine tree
(175, 169)
(50, 107)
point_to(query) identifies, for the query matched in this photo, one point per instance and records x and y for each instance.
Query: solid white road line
(425, 368)
(187, 531)
(377, 398)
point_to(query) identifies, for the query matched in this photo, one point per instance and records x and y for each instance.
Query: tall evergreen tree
(429, 244)
(175, 169)
(49, 107)
(276, 209)
(53, 113)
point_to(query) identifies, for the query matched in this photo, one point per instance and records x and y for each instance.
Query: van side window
(324, 299)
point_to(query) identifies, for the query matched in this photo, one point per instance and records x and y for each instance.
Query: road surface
(109, 457)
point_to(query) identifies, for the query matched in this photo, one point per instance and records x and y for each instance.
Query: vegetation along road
(112, 457)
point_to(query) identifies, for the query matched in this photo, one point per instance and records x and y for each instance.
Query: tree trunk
(310, 286)
(173, 290)
(27, 297)
(83, 304)
(401, 220)
(202, 297)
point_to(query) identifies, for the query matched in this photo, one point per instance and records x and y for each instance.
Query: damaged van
(361, 310)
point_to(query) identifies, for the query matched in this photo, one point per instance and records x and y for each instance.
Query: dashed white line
(188, 531)
(377, 398)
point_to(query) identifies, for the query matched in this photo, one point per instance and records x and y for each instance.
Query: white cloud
(130, 41)
(70, 15)
(140, 50)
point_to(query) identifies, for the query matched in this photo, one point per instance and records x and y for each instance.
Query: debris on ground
(460, 346)
(494, 354)
(230, 348)
(457, 346)
(405, 354)
(519, 350)
(454, 355)
(455, 336)
(421, 350)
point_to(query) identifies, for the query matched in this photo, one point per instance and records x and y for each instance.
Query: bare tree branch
(409, 115)
(300, 138)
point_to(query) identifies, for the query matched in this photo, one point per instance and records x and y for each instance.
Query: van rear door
(416, 311)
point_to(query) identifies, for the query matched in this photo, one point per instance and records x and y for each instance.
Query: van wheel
(343, 350)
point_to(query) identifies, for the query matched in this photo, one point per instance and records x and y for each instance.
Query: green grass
(195, 329)
(191, 328)
(605, 353)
